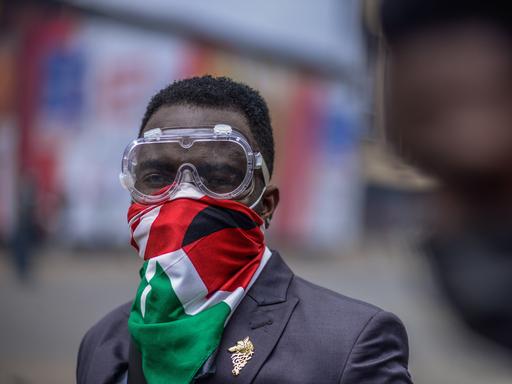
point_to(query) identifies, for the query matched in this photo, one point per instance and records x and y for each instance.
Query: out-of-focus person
(449, 112)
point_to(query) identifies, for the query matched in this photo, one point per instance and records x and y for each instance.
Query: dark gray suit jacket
(301, 333)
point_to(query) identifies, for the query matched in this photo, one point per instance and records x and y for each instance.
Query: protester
(215, 304)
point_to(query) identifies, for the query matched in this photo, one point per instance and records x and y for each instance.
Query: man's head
(450, 85)
(207, 101)
(220, 93)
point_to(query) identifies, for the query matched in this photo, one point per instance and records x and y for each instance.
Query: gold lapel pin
(242, 352)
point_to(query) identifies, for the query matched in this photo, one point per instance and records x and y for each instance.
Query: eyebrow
(154, 164)
(158, 164)
(226, 168)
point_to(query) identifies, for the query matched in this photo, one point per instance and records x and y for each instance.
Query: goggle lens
(221, 166)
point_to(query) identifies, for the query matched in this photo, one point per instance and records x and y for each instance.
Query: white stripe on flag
(185, 280)
(143, 297)
(188, 286)
(191, 290)
(233, 298)
(150, 272)
(230, 298)
(141, 233)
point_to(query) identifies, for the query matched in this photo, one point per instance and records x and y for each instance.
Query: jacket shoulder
(111, 326)
(318, 297)
(104, 348)
(366, 335)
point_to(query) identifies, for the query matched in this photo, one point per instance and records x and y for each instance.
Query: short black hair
(403, 18)
(220, 92)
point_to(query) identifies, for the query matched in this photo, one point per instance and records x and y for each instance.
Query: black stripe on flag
(213, 219)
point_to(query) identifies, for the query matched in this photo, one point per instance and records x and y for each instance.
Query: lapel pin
(242, 352)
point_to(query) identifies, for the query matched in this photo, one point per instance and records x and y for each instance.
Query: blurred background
(75, 78)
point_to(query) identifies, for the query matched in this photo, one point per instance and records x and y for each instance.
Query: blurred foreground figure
(449, 111)
(215, 304)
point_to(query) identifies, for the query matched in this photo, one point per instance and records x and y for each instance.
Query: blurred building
(75, 77)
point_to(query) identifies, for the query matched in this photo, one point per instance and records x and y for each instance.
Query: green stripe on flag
(173, 345)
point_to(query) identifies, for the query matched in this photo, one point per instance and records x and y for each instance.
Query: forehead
(190, 116)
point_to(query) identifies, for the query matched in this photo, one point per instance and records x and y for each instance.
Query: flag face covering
(200, 255)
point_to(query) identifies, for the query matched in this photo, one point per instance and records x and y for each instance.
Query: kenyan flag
(201, 255)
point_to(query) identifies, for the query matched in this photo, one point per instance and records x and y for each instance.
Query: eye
(220, 178)
(156, 180)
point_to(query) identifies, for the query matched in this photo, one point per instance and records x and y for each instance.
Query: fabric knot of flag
(200, 255)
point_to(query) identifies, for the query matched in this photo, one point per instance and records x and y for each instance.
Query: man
(215, 305)
(450, 113)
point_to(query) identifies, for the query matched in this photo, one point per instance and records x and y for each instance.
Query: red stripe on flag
(224, 260)
(169, 228)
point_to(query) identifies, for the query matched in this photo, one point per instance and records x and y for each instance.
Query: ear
(269, 202)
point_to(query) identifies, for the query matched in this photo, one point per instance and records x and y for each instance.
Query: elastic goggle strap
(260, 163)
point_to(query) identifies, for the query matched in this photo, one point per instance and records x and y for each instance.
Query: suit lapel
(262, 315)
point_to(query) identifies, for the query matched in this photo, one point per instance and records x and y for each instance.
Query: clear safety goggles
(218, 160)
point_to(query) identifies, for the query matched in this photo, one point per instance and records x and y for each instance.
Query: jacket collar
(272, 285)
(262, 316)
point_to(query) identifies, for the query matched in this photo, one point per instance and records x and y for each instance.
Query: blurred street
(390, 118)
(42, 322)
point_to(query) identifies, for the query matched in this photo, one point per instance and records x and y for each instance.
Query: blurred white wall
(325, 32)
